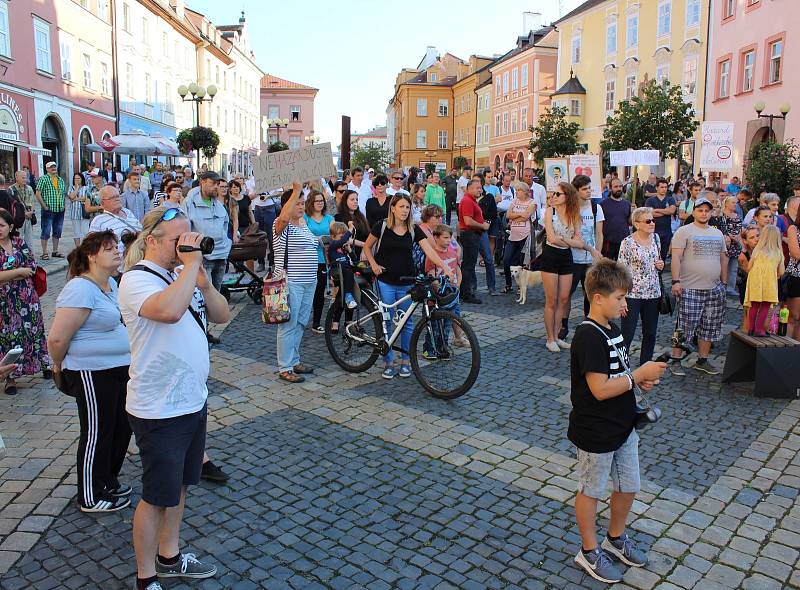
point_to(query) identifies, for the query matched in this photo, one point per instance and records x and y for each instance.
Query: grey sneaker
(599, 565)
(704, 366)
(625, 550)
(188, 566)
(676, 368)
(153, 586)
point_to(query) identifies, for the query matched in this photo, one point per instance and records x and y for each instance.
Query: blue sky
(352, 49)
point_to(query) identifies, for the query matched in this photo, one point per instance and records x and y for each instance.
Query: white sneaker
(552, 347)
(562, 344)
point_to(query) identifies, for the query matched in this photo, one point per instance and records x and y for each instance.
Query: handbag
(40, 281)
(783, 287)
(276, 292)
(666, 304)
(61, 383)
(33, 219)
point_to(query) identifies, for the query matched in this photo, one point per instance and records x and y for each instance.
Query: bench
(772, 362)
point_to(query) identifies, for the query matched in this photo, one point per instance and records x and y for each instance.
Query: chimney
(179, 9)
(531, 21)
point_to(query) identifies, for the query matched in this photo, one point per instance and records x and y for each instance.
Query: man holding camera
(166, 315)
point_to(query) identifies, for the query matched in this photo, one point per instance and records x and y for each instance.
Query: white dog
(525, 278)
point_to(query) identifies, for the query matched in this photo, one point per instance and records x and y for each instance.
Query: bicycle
(445, 371)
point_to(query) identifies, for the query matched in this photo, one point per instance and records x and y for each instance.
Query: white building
(375, 136)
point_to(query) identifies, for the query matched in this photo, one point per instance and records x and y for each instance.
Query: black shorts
(494, 228)
(557, 261)
(172, 451)
(794, 287)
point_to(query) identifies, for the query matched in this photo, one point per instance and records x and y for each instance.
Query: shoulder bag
(666, 302)
(276, 291)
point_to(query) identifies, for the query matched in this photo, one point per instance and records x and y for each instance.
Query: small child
(602, 420)
(448, 252)
(339, 255)
(750, 241)
(763, 271)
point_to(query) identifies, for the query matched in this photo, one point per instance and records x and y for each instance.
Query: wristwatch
(675, 281)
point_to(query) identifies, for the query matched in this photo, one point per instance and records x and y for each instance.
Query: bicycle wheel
(349, 353)
(445, 369)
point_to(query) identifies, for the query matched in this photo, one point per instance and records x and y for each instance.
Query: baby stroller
(252, 246)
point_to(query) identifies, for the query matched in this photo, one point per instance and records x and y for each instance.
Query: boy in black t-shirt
(601, 423)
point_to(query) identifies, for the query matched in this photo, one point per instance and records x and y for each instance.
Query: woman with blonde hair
(562, 224)
(732, 230)
(392, 262)
(763, 270)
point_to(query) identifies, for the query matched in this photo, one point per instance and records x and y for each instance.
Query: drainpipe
(114, 69)
(705, 90)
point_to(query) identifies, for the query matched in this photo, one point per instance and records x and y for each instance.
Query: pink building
(56, 83)
(751, 45)
(282, 99)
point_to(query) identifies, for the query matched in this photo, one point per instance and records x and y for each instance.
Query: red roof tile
(270, 81)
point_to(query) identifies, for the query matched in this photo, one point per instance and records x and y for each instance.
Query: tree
(372, 155)
(773, 167)
(277, 146)
(459, 162)
(554, 136)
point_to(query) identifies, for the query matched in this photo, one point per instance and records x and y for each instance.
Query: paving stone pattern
(351, 482)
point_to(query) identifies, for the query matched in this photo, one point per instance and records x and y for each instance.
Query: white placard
(281, 169)
(635, 158)
(716, 146)
(588, 165)
(555, 170)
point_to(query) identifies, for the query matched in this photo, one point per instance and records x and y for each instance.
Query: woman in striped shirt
(77, 199)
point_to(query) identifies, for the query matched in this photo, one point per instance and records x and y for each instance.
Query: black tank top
(243, 206)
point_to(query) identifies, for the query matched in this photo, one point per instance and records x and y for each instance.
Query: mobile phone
(664, 358)
(12, 356)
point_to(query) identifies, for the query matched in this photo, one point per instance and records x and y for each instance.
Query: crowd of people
(139, 281)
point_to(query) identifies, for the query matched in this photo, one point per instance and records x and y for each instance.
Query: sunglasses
(381, 183)
(558, 194)
(647, 221)
(168, 215)
(340, 190)
(397, 178)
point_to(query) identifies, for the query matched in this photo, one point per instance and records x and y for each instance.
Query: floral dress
(733, 227)
(21, 322)
(641, 262)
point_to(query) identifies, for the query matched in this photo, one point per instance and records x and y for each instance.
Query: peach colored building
(752, 49)
(282, 99)
(523, 81)
(56, 83)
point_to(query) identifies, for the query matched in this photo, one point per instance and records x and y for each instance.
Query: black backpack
(15, 207)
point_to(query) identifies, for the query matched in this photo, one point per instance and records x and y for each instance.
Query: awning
(9, 145)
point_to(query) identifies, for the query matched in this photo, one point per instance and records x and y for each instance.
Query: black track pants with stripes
(105, 431)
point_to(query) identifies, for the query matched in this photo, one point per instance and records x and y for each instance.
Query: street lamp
(784, 110)
(312, 139)
(276, 124)
(198, 95)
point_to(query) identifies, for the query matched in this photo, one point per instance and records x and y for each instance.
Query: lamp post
(784, 110)
(198, 95)
(276, 124)
(430, 156)
(312, 139)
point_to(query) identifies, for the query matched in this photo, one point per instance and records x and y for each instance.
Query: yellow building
(483, 123)
(608, 48)
(465, 106)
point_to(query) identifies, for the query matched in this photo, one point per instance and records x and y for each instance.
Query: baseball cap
(49, 164)
(703, 201)
(210, 175)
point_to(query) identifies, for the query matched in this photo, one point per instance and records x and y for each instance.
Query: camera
(645, 416)
(206, 246)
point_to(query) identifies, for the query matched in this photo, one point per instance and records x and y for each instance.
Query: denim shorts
(171, 450)
(622, 465)
(52, 222)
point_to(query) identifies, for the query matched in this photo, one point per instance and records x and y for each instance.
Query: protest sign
(280, 169)
(588, 165)
(635, 158)
(555, 170)
(716, 148)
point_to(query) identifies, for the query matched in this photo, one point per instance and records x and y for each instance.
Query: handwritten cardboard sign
(281, 169)
(635, 158)
(588, 165)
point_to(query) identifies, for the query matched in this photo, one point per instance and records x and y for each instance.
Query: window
(524, 75)
(422, 107)
(165, 44)
(497, 86)
(41, 36)
(576, 49)
(5, 41)
(611, 38)
(148, 90)
(575, 107)
(514, 127)
(105, 81)
(496, 125)
(294, 112)
(775, 54)
(434, 76)
(145, 32)
(102, 9)
(87, 70)
(478, 135)
(442, 140)
(515, 79)
(129, 80)
(480, 103)
(219, 118)
(273, 112)
(505, 83)
(690, 77)
(723, 81)
(444, 107)
(464, 107)
(168, 100)
(523, 126)
(633, 31)
(611, 87)
(664, 17)
(126, 17)
(486, 132)
(662, 72)
(422, 139)
(630, 86)
(692, 13)
(65, 45)
(294, 142)
(748, 66)
(728, 9)
(505, 123)
(224, 80)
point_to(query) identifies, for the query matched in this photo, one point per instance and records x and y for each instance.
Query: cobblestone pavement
(349, 481)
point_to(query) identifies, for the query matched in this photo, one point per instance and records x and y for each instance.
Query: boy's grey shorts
(622, 465)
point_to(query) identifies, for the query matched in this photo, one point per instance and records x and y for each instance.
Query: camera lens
(207, 245)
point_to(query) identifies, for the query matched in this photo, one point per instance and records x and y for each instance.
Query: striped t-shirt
(302, 258)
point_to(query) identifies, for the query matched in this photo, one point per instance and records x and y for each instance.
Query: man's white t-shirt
(507, 195)
(169, 362)
(539, 194)
(588, 234)
(364, 193)
(461, 187)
